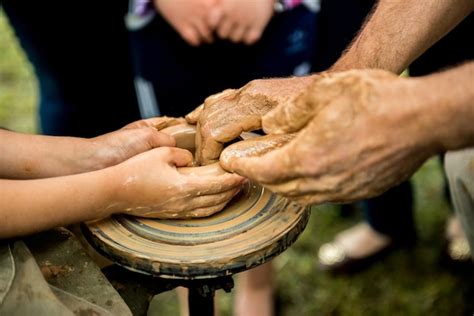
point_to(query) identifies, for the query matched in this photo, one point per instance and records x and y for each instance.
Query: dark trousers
(80, 55)
(181, 76)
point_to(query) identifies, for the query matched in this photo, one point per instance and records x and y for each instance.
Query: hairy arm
(399, 31)
(450, 106)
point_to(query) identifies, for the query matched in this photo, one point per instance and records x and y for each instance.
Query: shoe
(455, 251)
(333, 256)
(333, 259)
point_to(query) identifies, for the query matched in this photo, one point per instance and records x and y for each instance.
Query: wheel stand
(201, 292)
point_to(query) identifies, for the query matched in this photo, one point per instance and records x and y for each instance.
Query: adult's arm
(399, 31)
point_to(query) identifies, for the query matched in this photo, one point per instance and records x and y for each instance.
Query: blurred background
(407, 282)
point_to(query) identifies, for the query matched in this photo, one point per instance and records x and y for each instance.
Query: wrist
(448, 104)
(110, 185)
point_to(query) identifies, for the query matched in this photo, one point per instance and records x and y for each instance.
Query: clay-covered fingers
(164, 122)
(193, 117)
(212, 184)
(252, 147)
(312, 96)
(225, 116)
(208, 204)
(274, 166)
(175, 157)
(151, 137)
(206, 211)
(158, 122)
(118, 146)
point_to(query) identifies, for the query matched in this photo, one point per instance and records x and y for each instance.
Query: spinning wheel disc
(253, 228)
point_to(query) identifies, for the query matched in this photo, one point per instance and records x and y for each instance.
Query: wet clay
(254, 227)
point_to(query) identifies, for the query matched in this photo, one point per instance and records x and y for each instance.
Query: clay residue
(254, 147)
(166, 121)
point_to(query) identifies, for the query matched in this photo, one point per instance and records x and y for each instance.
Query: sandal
(334, 257)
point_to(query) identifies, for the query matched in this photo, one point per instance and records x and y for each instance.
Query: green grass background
(405, 283)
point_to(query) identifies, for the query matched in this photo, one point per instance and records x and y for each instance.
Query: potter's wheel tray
(253, 228)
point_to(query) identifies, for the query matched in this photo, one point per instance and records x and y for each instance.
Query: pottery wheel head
(253, 228)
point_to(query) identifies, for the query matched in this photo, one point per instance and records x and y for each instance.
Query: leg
(254, 294)
(460, 170)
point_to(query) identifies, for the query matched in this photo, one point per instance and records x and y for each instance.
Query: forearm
(450, 107)
(28, 206)
(26, 156)
(399, 31)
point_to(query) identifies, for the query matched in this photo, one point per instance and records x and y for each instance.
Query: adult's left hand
(224, 116)
(358, 134)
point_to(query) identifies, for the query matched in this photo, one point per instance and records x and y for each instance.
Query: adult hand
(194, 20)
(244, 20)
(150, 185)
(224, 116)
(360, 134)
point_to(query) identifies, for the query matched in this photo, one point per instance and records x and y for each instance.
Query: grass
(18, 88)
(405, 283)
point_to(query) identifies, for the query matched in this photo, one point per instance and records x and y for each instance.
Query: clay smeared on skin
(179, 206)
(253, 147)
(349, 144)
(226, 115)
(169, 121)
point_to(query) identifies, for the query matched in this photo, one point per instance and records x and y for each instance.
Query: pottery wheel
(253, 228)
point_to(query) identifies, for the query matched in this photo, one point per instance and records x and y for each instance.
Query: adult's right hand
(355, 135)
(194, 20)
(224, 116)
